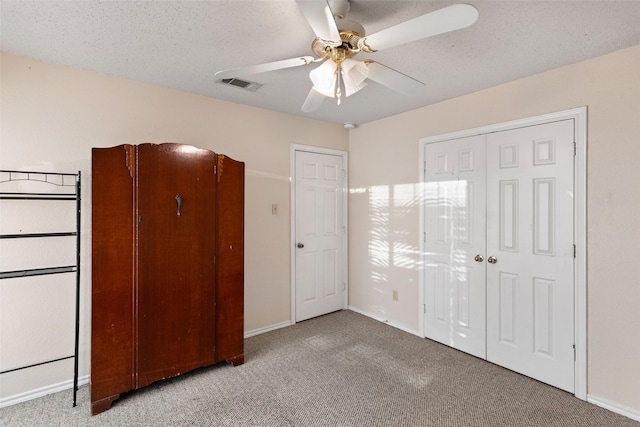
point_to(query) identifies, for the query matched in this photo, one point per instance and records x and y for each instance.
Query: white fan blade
(440, 21)
(261, 68)
(395, 80)
(313, 101)
(320, 18)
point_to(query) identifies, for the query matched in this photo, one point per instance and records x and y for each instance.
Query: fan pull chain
(339, 83)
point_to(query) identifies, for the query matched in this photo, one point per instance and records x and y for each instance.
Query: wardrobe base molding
(103, 404)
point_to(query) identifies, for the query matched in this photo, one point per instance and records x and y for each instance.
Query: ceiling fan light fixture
(354, 74)
(331, 75)
(324, 78)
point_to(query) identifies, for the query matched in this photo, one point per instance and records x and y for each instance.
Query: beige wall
(52, 116)
(384, 214)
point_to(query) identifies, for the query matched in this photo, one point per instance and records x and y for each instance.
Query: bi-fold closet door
(499, 248)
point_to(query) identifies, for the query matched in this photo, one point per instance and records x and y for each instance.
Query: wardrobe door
(176, 270)
(112, 324)
(230, 262)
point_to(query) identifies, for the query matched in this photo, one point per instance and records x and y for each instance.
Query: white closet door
(454, 207)
(530, 286)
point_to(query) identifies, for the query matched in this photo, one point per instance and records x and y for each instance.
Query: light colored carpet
(342, 369)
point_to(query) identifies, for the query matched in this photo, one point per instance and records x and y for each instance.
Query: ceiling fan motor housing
(350, 34)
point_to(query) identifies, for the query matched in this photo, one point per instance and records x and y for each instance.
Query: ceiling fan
(338, 40)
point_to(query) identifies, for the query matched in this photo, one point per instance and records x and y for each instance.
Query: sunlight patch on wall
(391, 211)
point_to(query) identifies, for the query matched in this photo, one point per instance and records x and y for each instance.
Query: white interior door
(454, 205)
(530, 284)
(320, 233)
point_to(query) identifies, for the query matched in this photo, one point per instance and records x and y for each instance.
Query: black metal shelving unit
(63, 182)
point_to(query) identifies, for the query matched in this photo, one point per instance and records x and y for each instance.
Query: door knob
(479, 258)
(179, 202)
(300, 245)
(492, 260)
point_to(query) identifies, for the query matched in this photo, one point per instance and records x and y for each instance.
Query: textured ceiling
(181, 44)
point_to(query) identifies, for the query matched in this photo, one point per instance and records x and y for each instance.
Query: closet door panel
(530, 286)
(112, 324)
(454, 206)
(230, 261)
(176, 270)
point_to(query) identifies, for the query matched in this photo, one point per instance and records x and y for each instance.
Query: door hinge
(215, 169)
(575, 148)
(424, 237)
(574, 250)
(424, 308)
(574, 352)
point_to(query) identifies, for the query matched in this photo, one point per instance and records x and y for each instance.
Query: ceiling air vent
(243, 84)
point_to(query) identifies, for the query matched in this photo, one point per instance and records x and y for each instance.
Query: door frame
(579, 116)
(345, 197)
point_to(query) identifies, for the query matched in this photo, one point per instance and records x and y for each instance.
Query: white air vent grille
(242, 84)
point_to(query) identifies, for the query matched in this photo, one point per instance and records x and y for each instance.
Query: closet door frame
(579, 117)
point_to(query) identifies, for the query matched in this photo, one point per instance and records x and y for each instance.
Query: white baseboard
(614, 407)
(43, 391)
(387, 321)
(267, 329)
(354, 309)
(68, 384)
(65, 385)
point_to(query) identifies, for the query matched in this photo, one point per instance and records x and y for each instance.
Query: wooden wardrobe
(168, 265)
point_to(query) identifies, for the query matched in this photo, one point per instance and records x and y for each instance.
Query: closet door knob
(300, 245)
(492, 260)
(479, 258)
